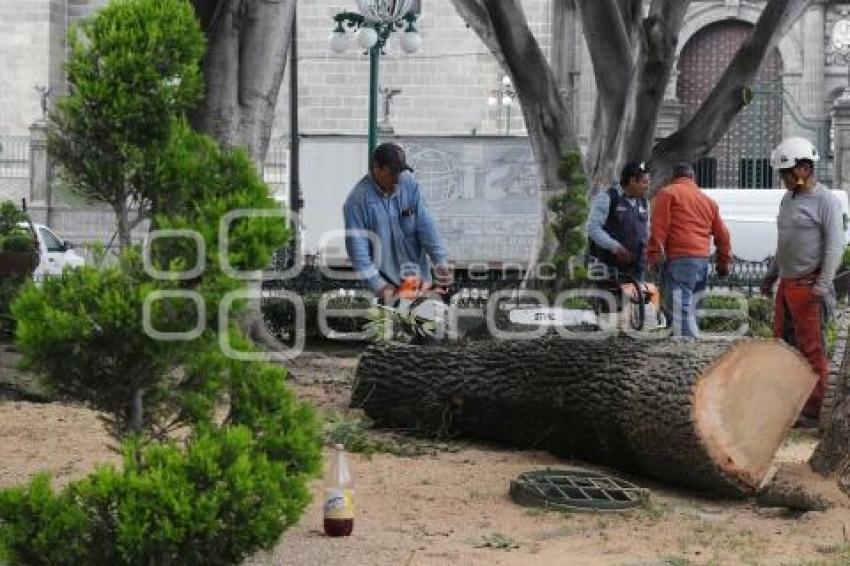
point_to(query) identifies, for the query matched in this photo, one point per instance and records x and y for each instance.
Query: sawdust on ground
(452, 507)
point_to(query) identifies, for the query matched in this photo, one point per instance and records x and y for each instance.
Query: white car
(54, 254)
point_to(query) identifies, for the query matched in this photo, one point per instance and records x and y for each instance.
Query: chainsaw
(417, 314)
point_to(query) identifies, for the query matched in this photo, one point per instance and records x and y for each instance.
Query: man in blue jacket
(618, 222)
(388, 204)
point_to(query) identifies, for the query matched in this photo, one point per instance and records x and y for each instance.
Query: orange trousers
(800, 320)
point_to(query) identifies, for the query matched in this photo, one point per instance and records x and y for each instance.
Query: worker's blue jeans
(682, 279)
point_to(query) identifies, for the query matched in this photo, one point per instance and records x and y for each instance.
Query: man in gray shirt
(808, 253)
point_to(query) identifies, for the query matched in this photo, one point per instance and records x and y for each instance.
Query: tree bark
(658, 36)
(703, 415)
(136, 421)
(832, 455)
(249, 41)
(607, 33)
(243, 69)
(123, 224)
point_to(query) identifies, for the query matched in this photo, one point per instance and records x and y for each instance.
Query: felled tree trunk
(703, 415)
(824, 481)
(832, 455)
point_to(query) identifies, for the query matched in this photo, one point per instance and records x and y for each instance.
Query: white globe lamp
(338, 41)
(411, 41)
(367, 37)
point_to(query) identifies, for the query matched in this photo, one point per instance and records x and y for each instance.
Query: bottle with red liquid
(339, 496)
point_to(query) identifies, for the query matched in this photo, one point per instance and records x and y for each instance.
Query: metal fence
(14, 155)
(276, 166)
(744, 276)
(14, 167)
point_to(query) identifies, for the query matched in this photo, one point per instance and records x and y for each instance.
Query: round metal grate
(576, 490)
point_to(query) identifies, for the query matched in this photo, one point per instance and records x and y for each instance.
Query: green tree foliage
(570, 214)
(236, 474)
(83, 332)
(10, 217)
(14, 239)
(213, 503)
(132, 70)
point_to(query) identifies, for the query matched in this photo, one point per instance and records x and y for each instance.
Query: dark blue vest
(627, 223)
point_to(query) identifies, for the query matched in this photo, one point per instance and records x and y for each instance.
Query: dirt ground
(450, 506)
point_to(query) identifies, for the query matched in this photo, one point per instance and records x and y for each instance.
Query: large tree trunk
(608, 33)
(249, 41)
(243, 69)
(825, 481)
(658, 37)
(704, 415)
(832, 455)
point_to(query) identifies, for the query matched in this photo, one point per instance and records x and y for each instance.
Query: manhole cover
(576, 490)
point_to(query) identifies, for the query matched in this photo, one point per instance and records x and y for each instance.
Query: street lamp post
(375, 22)
(503, 98)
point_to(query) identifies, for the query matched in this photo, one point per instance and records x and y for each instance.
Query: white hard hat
(792, 150)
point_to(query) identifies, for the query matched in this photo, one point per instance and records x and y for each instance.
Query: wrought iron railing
(14, 156)
(276, 166)
(744, 276)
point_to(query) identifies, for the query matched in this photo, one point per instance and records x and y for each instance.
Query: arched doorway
(742, 157)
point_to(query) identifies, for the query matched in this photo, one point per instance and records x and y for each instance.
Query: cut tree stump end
(746, 403)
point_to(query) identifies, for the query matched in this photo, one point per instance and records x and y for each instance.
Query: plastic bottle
(339, 496)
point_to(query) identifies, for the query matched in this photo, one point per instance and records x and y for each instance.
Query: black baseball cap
(633, 169)
(391, 156)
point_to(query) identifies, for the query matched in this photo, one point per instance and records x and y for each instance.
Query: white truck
(750, 215)
(54, 254)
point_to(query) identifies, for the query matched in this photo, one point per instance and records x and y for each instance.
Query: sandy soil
(452, 507)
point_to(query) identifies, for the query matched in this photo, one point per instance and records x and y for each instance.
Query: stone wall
(26, 31)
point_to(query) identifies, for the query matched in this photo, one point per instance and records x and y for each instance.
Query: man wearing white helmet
(808, 253)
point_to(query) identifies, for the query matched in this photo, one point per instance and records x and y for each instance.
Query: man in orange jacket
(683, 221)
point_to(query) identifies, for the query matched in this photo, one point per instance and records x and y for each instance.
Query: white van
(54, 254)
(751, 215)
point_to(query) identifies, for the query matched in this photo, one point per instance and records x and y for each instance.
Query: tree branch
(728, 97)
(476, 17)
(659, 36)
(631, 12)
(609, 46)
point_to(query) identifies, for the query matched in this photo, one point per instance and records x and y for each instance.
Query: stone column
(812, 86)
(841, 123)
(41, 194)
